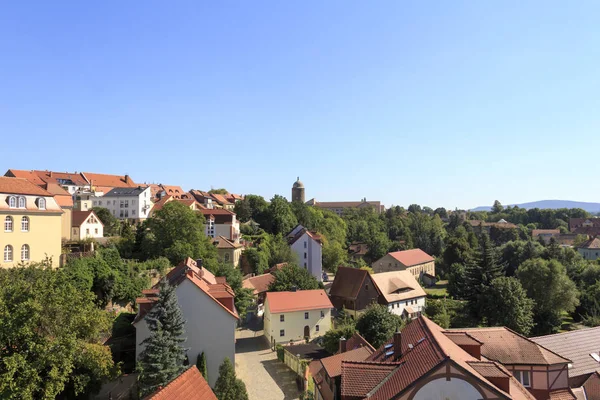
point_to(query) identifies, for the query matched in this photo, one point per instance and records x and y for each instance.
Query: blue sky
(451, 104)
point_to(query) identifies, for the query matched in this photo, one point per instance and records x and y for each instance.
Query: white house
(208, 309)
(296, 315)
(307, 245)
(127, 202)
(86, 224)
(400, 292)
(590, 250)
(221, 222)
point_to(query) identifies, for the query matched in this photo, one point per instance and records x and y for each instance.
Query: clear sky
(445, 103)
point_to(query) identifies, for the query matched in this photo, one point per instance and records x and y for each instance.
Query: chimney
(199, 263)
(343, 343)
(397, 345)
(294, 288)
(126, 178)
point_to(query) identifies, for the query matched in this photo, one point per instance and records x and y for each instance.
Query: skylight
(387, 346)
(389, 353)
(596, 357)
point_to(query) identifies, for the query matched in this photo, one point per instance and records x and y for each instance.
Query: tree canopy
(228, 386)
(292, 277)
(377, 324)
(506, 304)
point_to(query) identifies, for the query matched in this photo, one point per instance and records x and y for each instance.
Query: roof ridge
(384, 380)
(537, 344)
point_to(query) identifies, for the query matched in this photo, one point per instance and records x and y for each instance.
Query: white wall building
(296, 315)
(127, 203)
(307, 245)
(221, 222)
(400, 292)
(86, 224)
(208, 310)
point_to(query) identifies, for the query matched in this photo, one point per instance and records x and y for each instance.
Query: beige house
(292, 316)
(86, 224)
(228, 250)
(416, 261)
(590, 250)
(31, 223)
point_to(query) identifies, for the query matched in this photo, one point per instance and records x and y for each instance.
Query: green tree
(507, 304)
(228, 387)
(177, 232)
(497, 208)
(111, 224)
(218, 191)
(163, 356)
(377, 324)
(202, 366)
(293, 277)
(334, 255)
(547, 283)
(50, 334)
(456, 281)
(331, 340)
(480, 273)
(281, 218)
(252, 207)
(442, 318)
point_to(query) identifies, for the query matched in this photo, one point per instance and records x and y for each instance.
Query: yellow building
(228, 251)
(31, 223)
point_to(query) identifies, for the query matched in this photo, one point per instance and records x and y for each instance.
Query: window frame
(9, 224)
(281, 332)
(23, 202)
(8, 250)
(12, 202)
(306, 315)
(282, 318)
(25, 249)
(41, 203)
(25, 226)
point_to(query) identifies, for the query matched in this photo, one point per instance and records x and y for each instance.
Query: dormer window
(41, 203)
(12, 202)
(21, 202)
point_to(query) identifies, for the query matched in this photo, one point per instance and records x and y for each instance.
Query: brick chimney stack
(397, 345)
(343, 343)
(127, 179)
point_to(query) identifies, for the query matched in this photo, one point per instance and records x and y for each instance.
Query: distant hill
(552, 204)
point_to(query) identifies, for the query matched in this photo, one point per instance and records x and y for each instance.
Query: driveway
(266, 378)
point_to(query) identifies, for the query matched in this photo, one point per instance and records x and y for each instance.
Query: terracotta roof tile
(564, 394)
(300, 300)
(109, 180)
(357, 341)
(333, 364)
(190, 385)
(359, 378)
(489, 369)
(31, 176)
(259, 283)
(224, 243)
(508, 347)
(537, 232)
(412, 257)
(347, 282)
(79, 217)
(21, 186)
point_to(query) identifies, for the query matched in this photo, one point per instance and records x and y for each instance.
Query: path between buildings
(266, 378)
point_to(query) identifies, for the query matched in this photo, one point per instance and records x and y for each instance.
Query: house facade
(545, 234)
(208, 309)
(416, 261)
(86, 224)
(127, 203)
(339, 207)
(353, 289)
(292, 316)
(228, 251)
(400, 292)
(31, 223)
(221, 222)
(309, 249)
(590, 250)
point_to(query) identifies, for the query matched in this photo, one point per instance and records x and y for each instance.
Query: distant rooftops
(126, 191)
(412, 257)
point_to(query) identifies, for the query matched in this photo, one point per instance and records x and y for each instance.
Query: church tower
(298, 191)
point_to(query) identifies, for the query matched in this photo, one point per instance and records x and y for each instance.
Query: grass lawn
(438, 290)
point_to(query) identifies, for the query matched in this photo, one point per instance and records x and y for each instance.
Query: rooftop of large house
(411, 355)
(108, 180)
(582, 347)
(412, 257)
(347, 282)
(301, 300)
(21, 186)
(259, 283)
(126, 191)
(591, 244)
(397, 286)
(222, 242)
(190, 385)
(79, 217)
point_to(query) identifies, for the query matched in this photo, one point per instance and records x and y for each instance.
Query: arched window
(25, 252)
(226, 257)
(12, 202)
(25, 224)
(42, 203)
(8, 224)
(8, 253)
(21, 202)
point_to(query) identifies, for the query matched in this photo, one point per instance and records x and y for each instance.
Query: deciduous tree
(293, 277)
(377, 324)
(506, 304)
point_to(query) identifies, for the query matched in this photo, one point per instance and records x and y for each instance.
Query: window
(94, 202)
(99, 202)
(282, 318)
(226, 257)
(42, 203)
(523, 377)
(304, 265)
(114, 213)
(121, 213)
(25, 224)
(322, 314)
(25, 252)
(12, 202)
(133, 202)
(282, 332)
(8, 224)
(126, 213)
(317, 328)
(114, 202)
(8, 253)
(305, 244)
(22, 202)
(87, 231)
(305, 315)
(406, 303)
(305, 255)
(126, 203)
(367, 286)
(96, 231)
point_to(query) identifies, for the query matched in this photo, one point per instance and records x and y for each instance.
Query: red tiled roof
(301, 300)
(79, 217)
(53, 177)
(190, 385)
(357, 341)
(109, 180)
(221, 199)
(509, 348)
(490, 369)
(224, 243)
(347, 282)
(397, 286)
(591, 244)
(333, 364)
(21, 186)
(31, 176)
(171, 190)
(259, 283)
(563, 394)
(411, 257)
(359, 378)
(537, 232)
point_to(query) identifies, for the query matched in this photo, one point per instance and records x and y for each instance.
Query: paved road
(266, 378)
